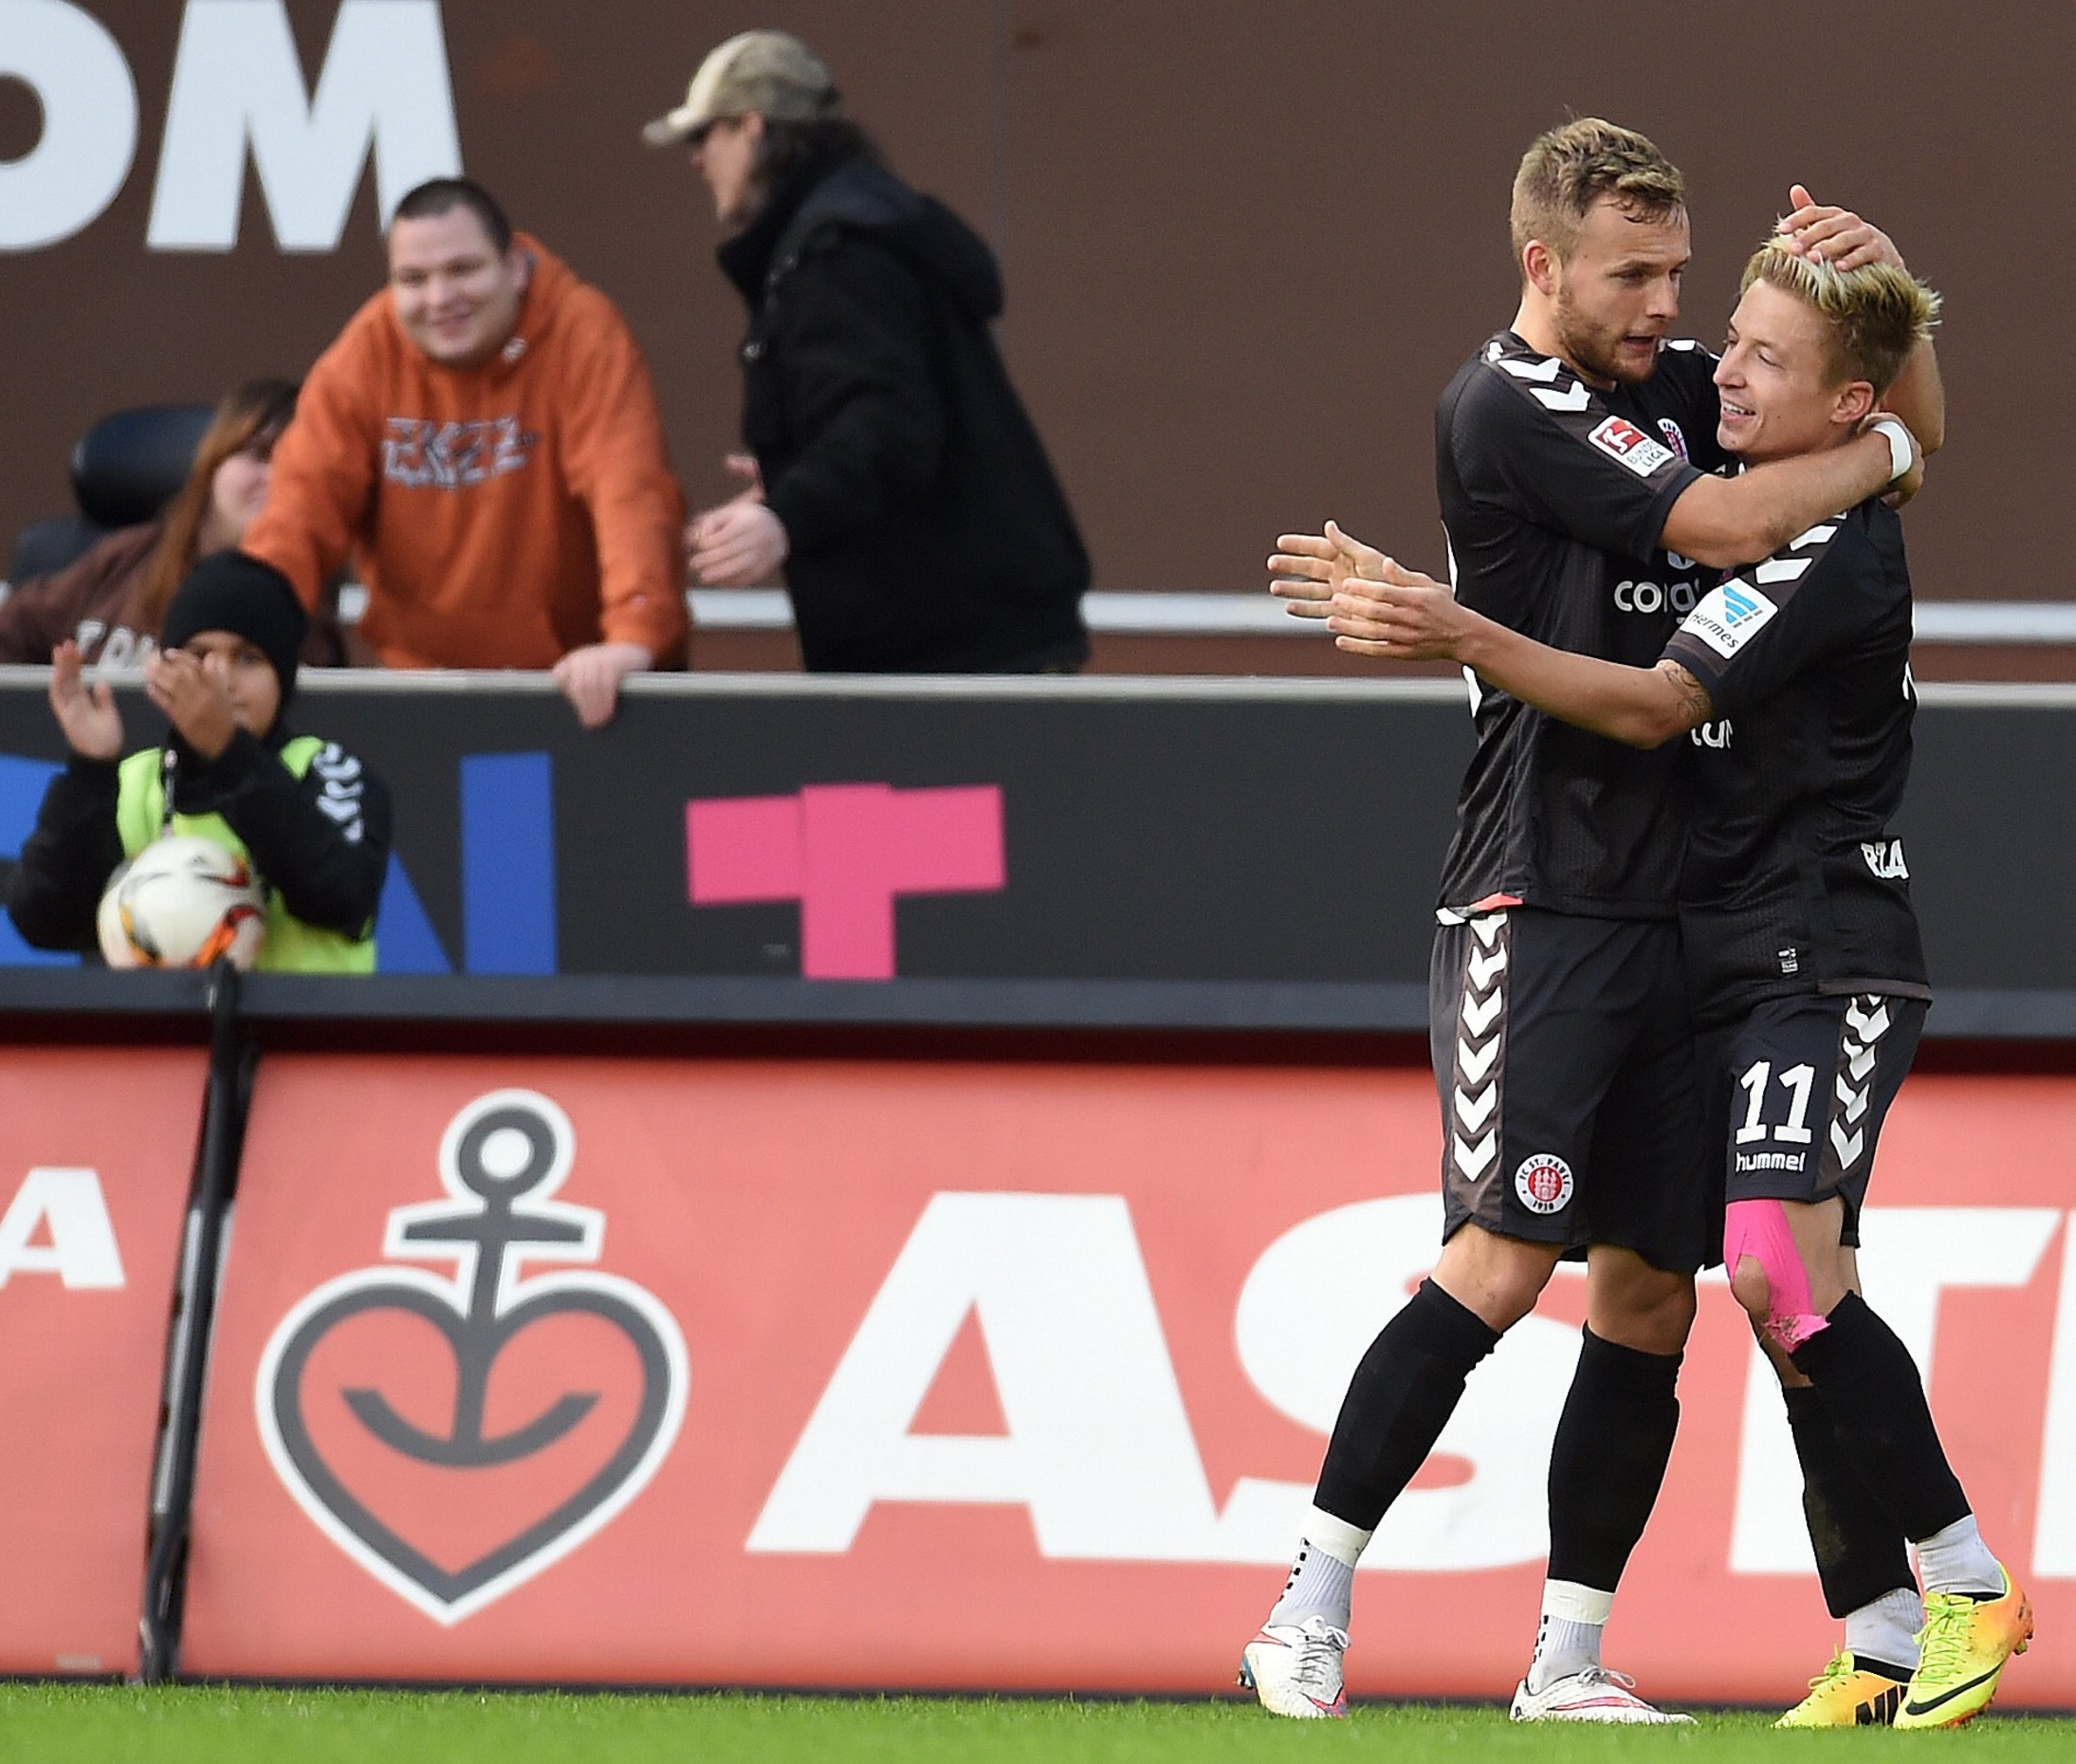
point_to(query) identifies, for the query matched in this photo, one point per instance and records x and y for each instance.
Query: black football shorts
(1798, 1089)
(1572, 1110)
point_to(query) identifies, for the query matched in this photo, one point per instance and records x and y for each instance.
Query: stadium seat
(125, 468)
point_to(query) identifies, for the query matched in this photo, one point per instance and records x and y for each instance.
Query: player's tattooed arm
(1375, 606)
(1696, 707)
(1638, 707)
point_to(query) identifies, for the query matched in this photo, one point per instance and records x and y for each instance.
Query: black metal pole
(187, 1354)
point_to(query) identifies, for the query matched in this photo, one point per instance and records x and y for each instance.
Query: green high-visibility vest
(291, 946)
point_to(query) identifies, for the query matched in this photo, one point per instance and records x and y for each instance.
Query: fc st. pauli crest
(456, 1436)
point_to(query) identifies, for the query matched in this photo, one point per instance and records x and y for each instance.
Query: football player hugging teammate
(1791, 681)
(1596, 478)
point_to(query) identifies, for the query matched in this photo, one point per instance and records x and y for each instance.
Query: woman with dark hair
(901, 487)
(111, 601)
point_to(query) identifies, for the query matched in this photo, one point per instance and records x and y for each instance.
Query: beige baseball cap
(767, 72)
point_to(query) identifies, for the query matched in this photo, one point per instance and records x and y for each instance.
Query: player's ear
(1855, 403)
(1539, 267)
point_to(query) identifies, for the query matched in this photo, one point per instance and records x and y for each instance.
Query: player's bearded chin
(1594, 350)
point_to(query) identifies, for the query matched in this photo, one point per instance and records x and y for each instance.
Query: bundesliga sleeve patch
(1728, 617)
(1623, 440)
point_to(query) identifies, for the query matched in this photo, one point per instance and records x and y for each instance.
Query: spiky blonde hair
(1878, 313)
(1566, 170)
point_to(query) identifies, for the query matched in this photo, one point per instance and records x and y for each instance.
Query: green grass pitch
(113, 1725)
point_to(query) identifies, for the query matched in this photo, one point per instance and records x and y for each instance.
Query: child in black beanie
(314, 821)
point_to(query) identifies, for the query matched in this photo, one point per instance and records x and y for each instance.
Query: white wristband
(1901, 454)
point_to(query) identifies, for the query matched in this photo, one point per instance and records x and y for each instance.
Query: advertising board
(1013, 1376)
(97, 1146)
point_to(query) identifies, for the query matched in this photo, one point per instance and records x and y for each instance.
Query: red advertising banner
(873, 1374)
(96, 1149)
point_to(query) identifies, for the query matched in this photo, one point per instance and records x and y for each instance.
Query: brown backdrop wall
(1246, 245)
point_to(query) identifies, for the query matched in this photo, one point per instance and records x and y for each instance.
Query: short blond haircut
(1878, 314)
(1566, 169)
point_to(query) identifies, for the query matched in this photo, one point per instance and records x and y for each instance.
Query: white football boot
(1594, 1695)
(1295, 1669)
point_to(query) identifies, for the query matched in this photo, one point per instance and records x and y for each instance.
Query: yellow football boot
(1846, 1694)
(1966, 1643)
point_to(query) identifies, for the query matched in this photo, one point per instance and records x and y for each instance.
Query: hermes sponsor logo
(1730, 617)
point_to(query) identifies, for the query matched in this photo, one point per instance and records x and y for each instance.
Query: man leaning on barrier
(484, 436)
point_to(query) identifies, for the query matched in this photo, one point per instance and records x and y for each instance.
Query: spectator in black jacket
(313, 821)
(904, 489)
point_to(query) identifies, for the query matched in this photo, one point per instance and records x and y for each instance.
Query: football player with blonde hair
(1588, 496)
(1792, 679)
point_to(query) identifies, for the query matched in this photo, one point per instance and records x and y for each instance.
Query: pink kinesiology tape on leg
(1760, 1229)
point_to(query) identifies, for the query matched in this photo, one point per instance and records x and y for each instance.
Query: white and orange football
(182, 902)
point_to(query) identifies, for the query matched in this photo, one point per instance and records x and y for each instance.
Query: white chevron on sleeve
(1846, 1145)
(1546, 370)
(1815, 536)
(1577, 398)
(1780, 569)
(1488, 927)
(1478, 1013)
(1474, 1161)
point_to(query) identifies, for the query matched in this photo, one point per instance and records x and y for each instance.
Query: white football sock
(1322, 1580)
(1886, 1629)
(1567, 1638)
(1957, 1560)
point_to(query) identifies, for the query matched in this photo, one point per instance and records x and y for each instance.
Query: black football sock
(1860, 1553)
(1401, 1397)
(1609, 1459)
(1881, 1419)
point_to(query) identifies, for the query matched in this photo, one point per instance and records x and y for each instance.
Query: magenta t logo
(844, 851)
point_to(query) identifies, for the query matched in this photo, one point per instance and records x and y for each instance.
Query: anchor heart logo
(455, 1436)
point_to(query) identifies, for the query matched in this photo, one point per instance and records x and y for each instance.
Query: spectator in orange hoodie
(484, 436)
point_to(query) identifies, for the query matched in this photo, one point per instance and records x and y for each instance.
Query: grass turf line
(112, 1725)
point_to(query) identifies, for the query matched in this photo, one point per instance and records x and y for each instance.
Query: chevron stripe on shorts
(1867, 1019)
(1478, 1077)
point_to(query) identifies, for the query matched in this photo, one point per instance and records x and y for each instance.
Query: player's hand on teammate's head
(1833, 235)
(92, 725)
